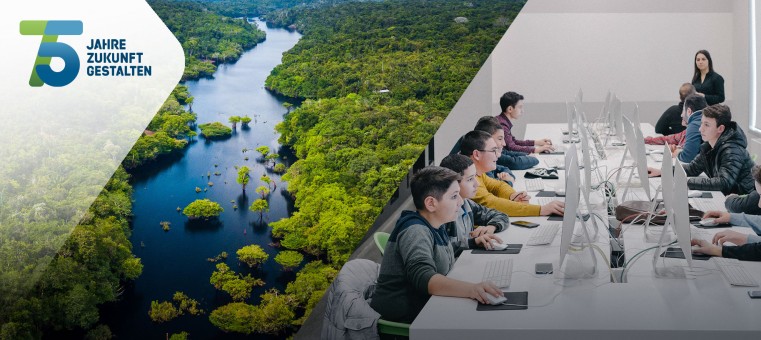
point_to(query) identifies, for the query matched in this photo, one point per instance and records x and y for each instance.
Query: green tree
(252, 255)
(243, 177)
(267, 180)
(202, 208)
(234, 120)
(179, 336)
(263, 150)
(261, 206)
(215, 130)
(162, 311)
(234, 317)
(289, 259)
(271, 158)
(245, 120)
(279, 168)
(288, 106)
(100, 332)
(263, 191)
(186, 305)
(239, 287)
(274, 314)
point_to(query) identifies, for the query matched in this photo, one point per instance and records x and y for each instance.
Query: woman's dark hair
(696, 76)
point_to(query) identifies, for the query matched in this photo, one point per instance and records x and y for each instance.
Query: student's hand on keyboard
(520, 196)
(544, 148)
(718, 216)
(543, 142)
(730, 236)
(479, 290)
(483, 230)
(554, 207)
(705, 247)
(485, 240)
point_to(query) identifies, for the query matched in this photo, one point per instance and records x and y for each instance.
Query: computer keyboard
(706, 204)
(546, 200)
(554, 162)
(697, 233)
(534, 184)
(735, 272)
(544, 234)
(499, 272)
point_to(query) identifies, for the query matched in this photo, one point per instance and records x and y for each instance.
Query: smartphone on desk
(525, 224)
(754, 294)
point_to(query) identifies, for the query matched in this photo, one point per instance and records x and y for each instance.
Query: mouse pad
(554, 153)
(513, 298)
(706, 195)
(720, 225)
(676, 253)
(512, 248)
(545, 193)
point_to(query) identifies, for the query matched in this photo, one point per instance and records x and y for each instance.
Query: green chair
(393, 328)
(381, 239)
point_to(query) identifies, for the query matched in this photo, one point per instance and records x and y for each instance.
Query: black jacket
(712, 87)
(670, 121)
(746, 252)
(727, 164)
(747, 204)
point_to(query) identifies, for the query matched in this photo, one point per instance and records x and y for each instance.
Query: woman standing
(707, 82)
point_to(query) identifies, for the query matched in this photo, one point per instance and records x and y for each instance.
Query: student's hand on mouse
(544, 148)
(554, 207)
(705, 247)
(718, 216)
(479, 290)
(653, 172)
(730, 236)
(482, 230)
(485, 240)
(520, 196)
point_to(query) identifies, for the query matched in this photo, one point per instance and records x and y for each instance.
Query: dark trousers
(517, 160)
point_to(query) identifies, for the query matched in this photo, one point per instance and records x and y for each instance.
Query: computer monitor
(666, 190)
(678, 220)
(637, 151)
(570, 112)
(572, 191)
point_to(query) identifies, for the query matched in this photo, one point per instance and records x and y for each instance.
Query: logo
(42, 73)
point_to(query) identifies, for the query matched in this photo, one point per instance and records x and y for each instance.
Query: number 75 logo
(42, 73)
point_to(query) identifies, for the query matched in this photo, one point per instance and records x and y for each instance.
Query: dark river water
(176, 260)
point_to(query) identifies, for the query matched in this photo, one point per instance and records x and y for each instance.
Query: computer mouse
(560, 192)
(497, 246)
(657, 151)
(694, 193)
(708, 222)
(496, 300)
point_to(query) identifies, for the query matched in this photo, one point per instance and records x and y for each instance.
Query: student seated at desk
(671, 121)
(491, 126)
(748, 247)
(723, 156)
(463, 231)
(418, 253)
(686, 144)
(495, 194)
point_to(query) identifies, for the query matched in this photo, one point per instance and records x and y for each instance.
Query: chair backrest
(381, 239)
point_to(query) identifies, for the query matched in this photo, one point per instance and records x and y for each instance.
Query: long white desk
(596, 308)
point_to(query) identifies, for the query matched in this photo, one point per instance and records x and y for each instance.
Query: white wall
(641, 50)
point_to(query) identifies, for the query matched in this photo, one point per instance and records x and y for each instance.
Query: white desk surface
(645, 307)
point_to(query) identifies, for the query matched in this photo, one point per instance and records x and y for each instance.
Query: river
(177, 260)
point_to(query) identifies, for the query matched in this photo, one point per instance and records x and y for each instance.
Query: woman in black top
(707, 82)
